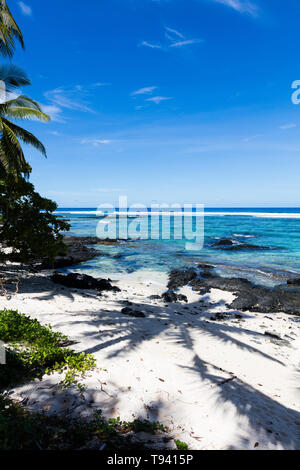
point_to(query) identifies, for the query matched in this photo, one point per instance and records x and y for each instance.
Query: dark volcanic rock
(179, 278)
(76, 252)
(132, 313)
(69, 240)
(250, 297)
(171, 297)
(223, 242)
(223, 283)
(206, 270)
(155, 297)
(246, 246)
(294, 282)
(82, 281)
(231, 245)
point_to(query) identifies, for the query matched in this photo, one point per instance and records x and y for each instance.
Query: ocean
(264, 245)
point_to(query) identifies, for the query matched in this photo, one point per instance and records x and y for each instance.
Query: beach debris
(160, 441)
(83, 281)
(272, 335)
(227, 380)
(6, 280)
(274, 338)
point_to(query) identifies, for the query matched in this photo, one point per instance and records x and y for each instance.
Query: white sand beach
(216, 384)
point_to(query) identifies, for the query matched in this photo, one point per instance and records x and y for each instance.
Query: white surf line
(266, 215)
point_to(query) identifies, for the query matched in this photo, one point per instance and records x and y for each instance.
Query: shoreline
(214, 375)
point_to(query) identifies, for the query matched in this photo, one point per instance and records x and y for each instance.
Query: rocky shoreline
(78, 250)
(249, 297)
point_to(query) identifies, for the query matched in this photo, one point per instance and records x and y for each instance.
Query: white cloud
(54, 112)
(252, 137)
(68, 98)
(287, 126)
(174, 32)
(96, 142)
(152, 46)
(174, 39)
(100, 84)
(186, 42)
(158, 99)
(144, 91)
(243, 6)
(57, 134)
(25, 9)
(63, 98)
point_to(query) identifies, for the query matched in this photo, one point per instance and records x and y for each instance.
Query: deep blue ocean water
(277, 230)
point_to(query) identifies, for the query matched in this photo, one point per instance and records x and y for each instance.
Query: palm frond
(11, 153)
(9, 31)
(24, 101)
(13, 76)
(21, 112)
(25, 136)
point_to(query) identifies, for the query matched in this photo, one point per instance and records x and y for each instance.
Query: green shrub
(181, 445)
(21, 430)
(34, 350)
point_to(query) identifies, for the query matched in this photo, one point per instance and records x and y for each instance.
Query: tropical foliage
(28, 223)
(12, 107)
(9, 31)
(29, 226)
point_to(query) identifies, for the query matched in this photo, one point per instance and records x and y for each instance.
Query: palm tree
(9, 31)
(13, 106)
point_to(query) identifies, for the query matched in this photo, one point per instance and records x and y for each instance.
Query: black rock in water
(223, 242)
(246, 246)
(206, 270)
(231, 245)
(82, 281)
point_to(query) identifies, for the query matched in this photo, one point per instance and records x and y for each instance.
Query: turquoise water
(276, 229)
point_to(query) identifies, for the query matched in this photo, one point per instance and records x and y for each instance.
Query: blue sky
(164, 100)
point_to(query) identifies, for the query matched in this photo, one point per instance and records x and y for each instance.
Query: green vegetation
(20, 430)
(28, 224)
(34, 350)
(9, 31)
(12, 158)
(138, 425)
(181, 445)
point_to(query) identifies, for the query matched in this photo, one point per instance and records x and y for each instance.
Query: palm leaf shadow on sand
(162, 320)
(247, 400)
